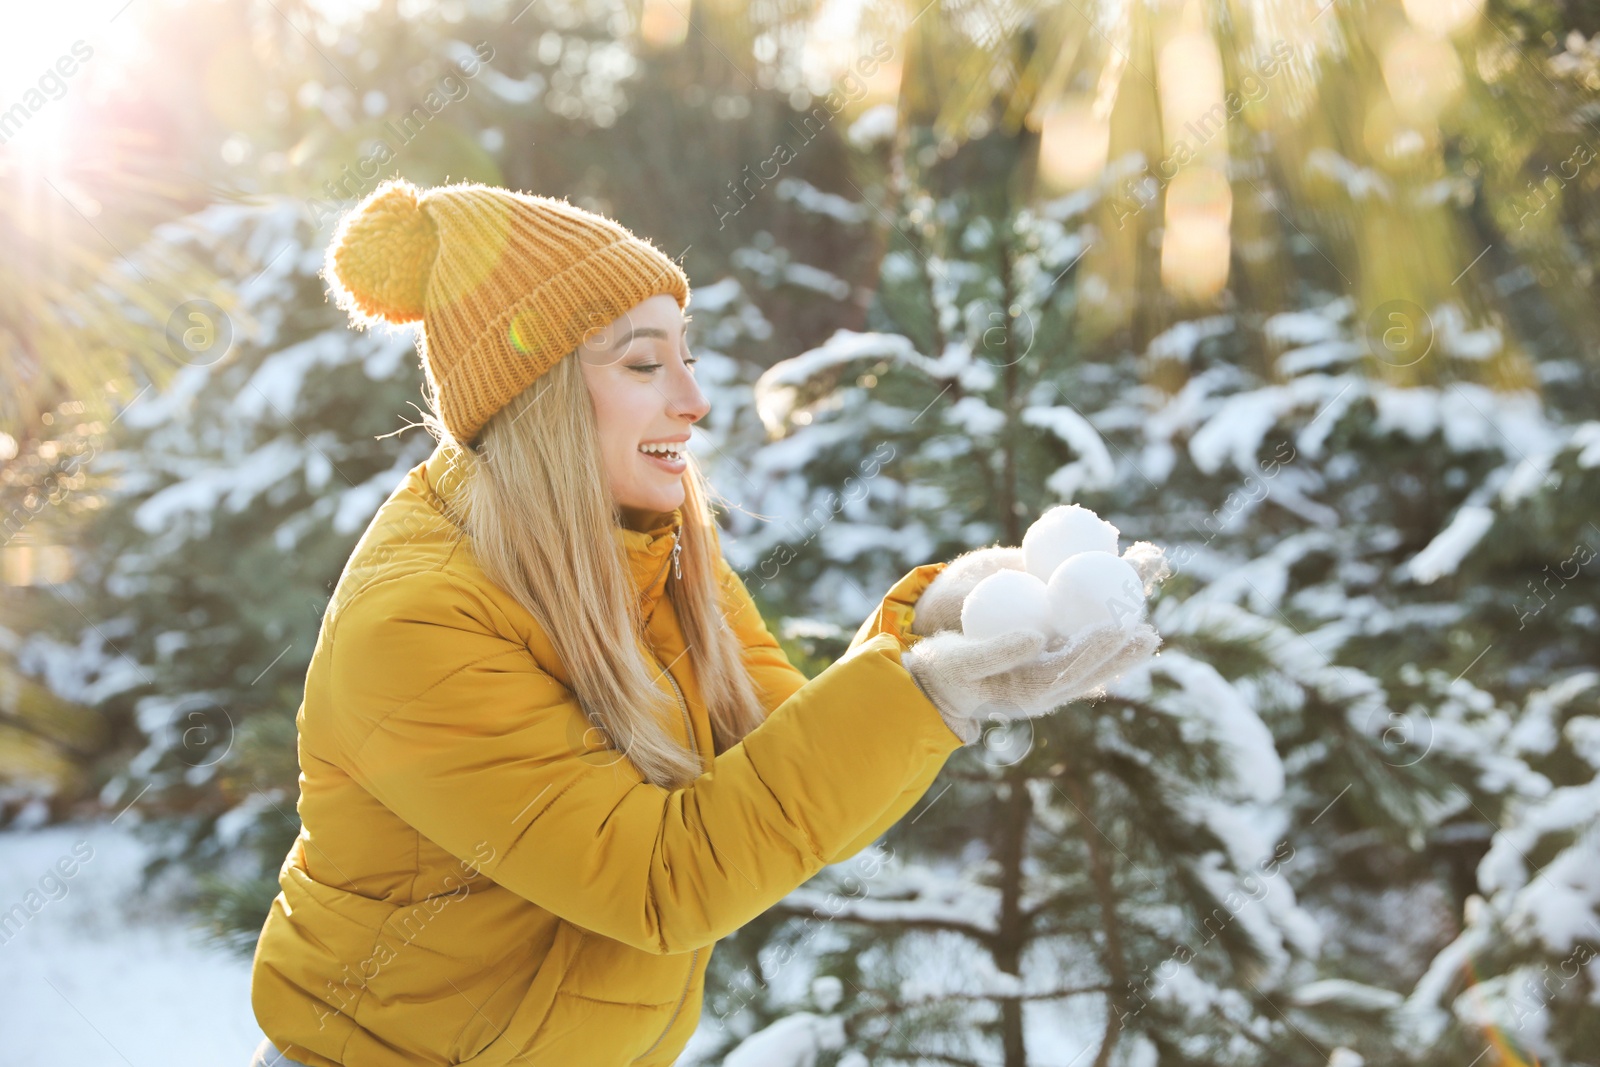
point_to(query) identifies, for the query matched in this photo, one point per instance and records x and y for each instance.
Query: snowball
(1094, 588)
(1005, 602)
(1064, 531)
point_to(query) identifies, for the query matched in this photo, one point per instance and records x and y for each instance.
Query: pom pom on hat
(382, 254)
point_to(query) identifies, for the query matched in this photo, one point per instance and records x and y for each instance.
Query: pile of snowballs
(1073, 581)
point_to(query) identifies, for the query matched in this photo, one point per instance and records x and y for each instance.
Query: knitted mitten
(1151, 563)
(1020, 675)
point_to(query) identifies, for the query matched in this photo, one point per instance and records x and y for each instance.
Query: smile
(668, 455)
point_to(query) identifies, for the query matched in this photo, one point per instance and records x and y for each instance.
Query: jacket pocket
(582, 1032)
(610, 971)
(535, 1010)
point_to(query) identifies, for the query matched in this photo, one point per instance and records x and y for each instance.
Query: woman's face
(638, 369)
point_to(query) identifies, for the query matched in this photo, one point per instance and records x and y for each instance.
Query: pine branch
(1051, 994)
(977, 933)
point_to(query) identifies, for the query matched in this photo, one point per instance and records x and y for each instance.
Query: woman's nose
(687, 399)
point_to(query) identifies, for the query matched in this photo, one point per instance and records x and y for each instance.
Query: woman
(549, 751)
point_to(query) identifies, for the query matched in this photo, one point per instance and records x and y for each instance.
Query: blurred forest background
(1305, 293)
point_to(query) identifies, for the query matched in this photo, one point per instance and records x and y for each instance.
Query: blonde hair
(540, 513)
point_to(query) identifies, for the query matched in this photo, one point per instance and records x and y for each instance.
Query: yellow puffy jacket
(476, 881)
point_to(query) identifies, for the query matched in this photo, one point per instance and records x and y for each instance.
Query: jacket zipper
(694, 958)
(672, 559)
(688, 727)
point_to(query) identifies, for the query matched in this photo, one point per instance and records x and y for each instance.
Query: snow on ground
(94, 974)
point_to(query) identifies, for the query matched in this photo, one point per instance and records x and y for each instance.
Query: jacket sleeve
(452, 725)
(775, 678)
(894, 617)
(896, 610)
(773, 673)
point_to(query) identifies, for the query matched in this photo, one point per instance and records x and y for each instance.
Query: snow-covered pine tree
(1297, 586)
(1319, 491)
(1523, 975)
(235, 498)
(1483, 468)
(1122, 866)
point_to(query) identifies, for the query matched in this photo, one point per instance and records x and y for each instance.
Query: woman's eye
(649, 368)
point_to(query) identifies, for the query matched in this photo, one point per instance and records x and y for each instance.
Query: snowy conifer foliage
(266, 445)
(1523, 974)
(1115, 874)
(1253, 850)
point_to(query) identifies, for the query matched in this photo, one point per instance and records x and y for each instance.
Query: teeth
(671, 449)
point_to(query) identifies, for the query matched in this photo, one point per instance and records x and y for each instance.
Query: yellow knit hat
(505, 284)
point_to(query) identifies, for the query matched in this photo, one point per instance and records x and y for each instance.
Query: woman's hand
(1020, 674)
(1151, 563)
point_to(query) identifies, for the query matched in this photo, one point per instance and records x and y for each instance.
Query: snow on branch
(1218, 713)
(779, 390)
(958, 912)
(908, 894)
(1449, 546)
(1093, 469)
